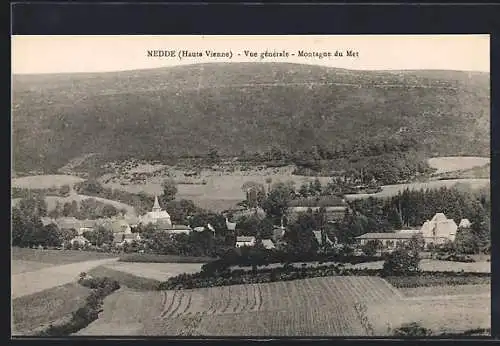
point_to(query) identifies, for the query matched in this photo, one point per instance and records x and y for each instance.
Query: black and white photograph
(250, 186)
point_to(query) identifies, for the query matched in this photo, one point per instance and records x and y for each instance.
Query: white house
(439, 230)
(464, 223)
(80, 240)
(245, 241)
(268, 244)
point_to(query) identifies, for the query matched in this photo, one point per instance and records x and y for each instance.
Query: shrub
(90, 311)
(401, 262)
(412, 329)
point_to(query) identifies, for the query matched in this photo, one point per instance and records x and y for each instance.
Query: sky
(71, 54)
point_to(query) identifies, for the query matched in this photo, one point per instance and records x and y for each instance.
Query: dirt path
(32, 282)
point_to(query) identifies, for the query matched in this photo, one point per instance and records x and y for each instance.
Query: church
(161, 219)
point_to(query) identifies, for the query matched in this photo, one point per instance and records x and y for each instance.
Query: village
(123, 232)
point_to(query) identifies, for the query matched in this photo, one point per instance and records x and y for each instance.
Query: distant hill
(243, 106)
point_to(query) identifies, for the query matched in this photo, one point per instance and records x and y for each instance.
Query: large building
(439, 230)
(389, 240)
(161, 219)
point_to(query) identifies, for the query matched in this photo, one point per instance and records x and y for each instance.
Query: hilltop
(185, 110)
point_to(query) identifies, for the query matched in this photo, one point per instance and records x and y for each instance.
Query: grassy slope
(242, 106)
(33, 311)
(57, 257)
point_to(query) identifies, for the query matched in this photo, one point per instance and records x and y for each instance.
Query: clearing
(45, 181)
(33, 312)
(445, 164)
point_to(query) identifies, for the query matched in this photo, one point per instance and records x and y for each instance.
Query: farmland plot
(393, 190)
(319, 306)
(32, 312)
(435, 265)
(156, 271)
(439, 313)
(27, 283)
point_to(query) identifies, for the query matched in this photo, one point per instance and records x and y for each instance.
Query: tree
(109, 210)
(169, 190)
(371, 247)
(276, 203)
(64, 190)
(402, 261)
(300, 237)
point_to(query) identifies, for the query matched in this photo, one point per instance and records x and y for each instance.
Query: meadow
(45, 181)
(156, 271)
(54, 257)
(436, 265)
(332, 306)
(447, 164)
(33, 312)
(392, 190)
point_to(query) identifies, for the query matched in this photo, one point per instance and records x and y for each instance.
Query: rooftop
(389, 235)
(244, 239)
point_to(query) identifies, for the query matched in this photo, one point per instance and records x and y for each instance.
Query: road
(27, 283)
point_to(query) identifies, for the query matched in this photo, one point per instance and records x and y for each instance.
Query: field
(456, 163)
(392, 190)
(437, 265)
(445, 290)
(40, 309)
(438, 313)
(34, 271)
(154, 258)
(45, 181)
(54, 257)
(257, 309)
(333, 306)
(156, 271)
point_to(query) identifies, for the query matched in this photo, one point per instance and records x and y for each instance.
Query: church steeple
(156, 205)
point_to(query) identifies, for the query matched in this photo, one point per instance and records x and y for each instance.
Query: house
(268, 244)
(179, 229)
(389, 240)
(122, 238)
(439, 230)
(68, 223)
(464, 223)
(80, 240)
(245, 241)
(231, 226)
(118, 226)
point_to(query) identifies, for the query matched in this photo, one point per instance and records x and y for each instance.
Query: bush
(85, 315)
(401, 262)
(412, 329)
